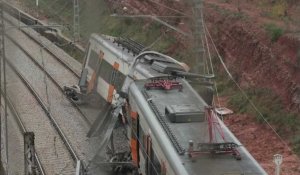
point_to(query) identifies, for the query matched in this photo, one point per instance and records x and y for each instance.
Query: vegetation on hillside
(274, 31)
(95, 17)
(268, 104)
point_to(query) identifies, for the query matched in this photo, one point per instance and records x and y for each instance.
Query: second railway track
(35, 45)
(17, 118)
(75, 130)
(43, 68)
(54, 150)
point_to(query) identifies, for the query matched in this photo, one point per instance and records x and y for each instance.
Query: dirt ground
(261, 142)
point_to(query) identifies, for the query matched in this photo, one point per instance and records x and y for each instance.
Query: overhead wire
(142, 148)
(45, 76)
(172, 9)
(210, 60)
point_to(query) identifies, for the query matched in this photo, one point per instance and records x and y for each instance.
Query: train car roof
(183, 113)
(110, 43)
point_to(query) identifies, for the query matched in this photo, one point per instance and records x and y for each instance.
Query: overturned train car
(171, 127)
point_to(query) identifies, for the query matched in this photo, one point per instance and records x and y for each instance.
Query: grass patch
(270, 106)
(296, 144)
(274, 31)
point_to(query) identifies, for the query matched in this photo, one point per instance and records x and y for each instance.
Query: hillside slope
(259, 42)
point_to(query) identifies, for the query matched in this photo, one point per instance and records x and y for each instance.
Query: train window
(156, 167)
(93, 60)
(119, 80)
(105, 71)
(142, 141)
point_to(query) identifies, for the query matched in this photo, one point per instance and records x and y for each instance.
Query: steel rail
(50, 77)
(23, 129)
(65, 64)
(56, 57)
(63, 137)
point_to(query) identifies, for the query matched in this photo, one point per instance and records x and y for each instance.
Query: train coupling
(74, 93)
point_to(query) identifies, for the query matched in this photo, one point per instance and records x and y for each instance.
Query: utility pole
(198, 45)
(76, 24)
(3, 69)
(1, 50)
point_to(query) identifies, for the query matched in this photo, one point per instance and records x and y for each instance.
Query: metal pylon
(1, 56)
(3, 84)
(76, 24)
(198, 31)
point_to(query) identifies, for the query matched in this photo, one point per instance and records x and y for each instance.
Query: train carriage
(170, 126)
(105, 67)
(157, 152)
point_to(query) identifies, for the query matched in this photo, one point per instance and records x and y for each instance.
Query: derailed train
(171, 128)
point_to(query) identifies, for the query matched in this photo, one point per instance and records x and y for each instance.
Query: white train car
(106, 66)
(166, 117)
(108, 62)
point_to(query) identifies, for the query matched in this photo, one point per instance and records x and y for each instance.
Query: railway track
(86, 149)
(58, 61)
(17, 118)
(76, 133)
(37, 41)
(61, 149)
(41, 67)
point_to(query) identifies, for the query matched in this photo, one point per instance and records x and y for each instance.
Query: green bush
(269, 105)
(274, 31)
(296, 144)
(239, 102)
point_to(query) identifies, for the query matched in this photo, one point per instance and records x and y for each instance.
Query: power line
(172, 9)
(155, 18)
(210, 60)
